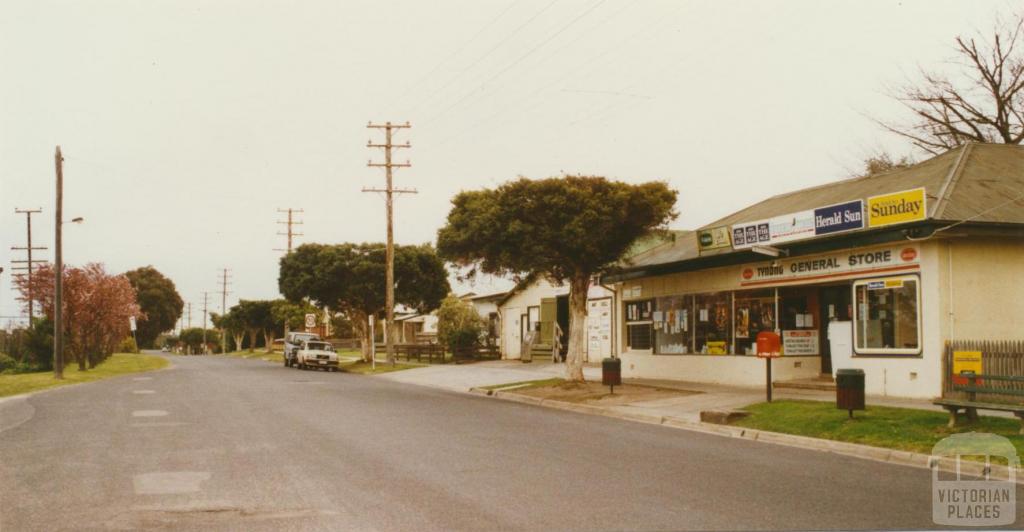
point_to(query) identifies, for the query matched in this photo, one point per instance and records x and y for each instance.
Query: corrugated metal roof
(976, 182)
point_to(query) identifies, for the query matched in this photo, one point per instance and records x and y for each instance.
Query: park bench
(983, 384)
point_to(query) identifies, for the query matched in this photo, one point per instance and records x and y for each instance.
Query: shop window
(638, 324)
(799, 321)
(755, 312)
(672, 322)
(713, 323)
(887, 318)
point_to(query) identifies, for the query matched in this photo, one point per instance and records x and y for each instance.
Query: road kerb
(856, 450)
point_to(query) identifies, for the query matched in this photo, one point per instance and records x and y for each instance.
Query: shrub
(458, 324)
(128, 345)
(6, 362)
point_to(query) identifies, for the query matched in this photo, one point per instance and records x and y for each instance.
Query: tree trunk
(252, 340)
(578, 287)
(268, 340)
(362, 328)
(239, 338)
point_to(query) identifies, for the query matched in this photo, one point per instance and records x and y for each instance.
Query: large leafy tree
(158, 299)
(256, 316)
(97, 307)
(231, 324)
(567, 229)
(350, 278)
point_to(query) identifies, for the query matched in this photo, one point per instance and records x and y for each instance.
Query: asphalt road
(231, 444)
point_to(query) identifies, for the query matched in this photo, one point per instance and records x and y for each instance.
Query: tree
(459, 326)
(232, 324)
(288, 315)
(566, 229)
(97, 307)
(192, 339)
(158, 299)
(983, 101)
(882, 162)
(349, 278)
(257, 317)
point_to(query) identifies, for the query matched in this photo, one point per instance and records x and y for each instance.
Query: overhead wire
(485, 55)
(519, 59)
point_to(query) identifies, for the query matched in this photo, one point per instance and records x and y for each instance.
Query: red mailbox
(768, 345)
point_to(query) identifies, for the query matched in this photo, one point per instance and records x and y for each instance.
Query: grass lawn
(524, 385)
(894, 428)
(364, 368)
(118, 364)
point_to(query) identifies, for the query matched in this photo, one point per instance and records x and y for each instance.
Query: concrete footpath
(681, 412)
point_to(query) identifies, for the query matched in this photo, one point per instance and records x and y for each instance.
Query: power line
(389, 192)
(520, 58)
(457, 51)
(486, 54)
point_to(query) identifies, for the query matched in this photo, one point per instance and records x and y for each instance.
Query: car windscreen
(318, 346)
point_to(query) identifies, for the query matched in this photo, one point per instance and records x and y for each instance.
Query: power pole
(205, 294)
(289, 222)
(58, 258)
(29, 262)
(389, 192)
(223, 309)
(189, 315)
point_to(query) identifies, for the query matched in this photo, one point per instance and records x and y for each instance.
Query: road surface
(230, 444)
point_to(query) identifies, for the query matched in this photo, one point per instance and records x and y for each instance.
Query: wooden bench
(971, 405)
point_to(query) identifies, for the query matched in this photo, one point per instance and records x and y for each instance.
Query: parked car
(316, 354)
(293, 342)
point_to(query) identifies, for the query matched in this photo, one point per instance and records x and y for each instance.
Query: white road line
(143, 392)
(149, 413)
(169, 482)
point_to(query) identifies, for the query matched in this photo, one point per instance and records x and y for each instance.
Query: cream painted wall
(531, 297)
(987, 296)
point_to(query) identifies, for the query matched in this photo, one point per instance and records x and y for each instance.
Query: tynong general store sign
(832, 266)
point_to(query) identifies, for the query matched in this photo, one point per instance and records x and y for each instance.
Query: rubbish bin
(850, 390)
(611, 372)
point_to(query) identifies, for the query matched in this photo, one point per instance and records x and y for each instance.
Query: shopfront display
(887, 319)
(672, 325)
(755, 312)
(713, 326)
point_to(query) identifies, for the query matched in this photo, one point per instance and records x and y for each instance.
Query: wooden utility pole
(29, 263)
(291, 221)
(389, 192)
(189, 314)
(205, 296)
(223, 309)
(58, 259)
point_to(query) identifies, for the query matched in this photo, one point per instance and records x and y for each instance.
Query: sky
(185, 125)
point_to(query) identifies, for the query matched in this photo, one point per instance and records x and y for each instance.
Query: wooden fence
(1003, 358)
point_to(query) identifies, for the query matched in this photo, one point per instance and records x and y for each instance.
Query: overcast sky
(186, 124)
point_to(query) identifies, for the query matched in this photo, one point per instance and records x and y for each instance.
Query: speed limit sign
(310, 321)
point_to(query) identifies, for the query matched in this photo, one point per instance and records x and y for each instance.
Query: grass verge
(364, 368)
(895, 428)
(524, 385)
(258, 354)
(117, 364)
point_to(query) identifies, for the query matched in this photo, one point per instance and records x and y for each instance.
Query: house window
(887, 318)
(673, 322)
(638, 324)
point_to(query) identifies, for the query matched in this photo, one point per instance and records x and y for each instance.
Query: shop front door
(835, 306)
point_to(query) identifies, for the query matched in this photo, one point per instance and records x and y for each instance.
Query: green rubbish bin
(850, 390)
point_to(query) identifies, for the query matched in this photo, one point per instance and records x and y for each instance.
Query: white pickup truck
(317, 354)
(293, 342)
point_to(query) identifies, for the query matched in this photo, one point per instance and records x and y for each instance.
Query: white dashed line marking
(166, 483)
(149, 413)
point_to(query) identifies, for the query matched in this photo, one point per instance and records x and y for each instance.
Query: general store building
(875, 273)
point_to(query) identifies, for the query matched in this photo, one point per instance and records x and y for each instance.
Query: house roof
(495, 296)
(980, 183)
